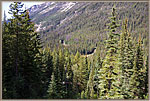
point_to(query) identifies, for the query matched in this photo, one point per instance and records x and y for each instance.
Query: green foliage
(52, 90)
(109, 74)
(83, 73)
(126, 58)
(90, 84)
(138, 81)
(25, 60)
(83, 26)
(113, 69)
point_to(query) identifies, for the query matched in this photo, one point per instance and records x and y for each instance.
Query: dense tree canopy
(30, 71)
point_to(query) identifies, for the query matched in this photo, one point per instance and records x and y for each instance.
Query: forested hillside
(82, 51)
(82, 24)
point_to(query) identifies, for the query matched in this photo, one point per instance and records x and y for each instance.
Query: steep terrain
(83, 24)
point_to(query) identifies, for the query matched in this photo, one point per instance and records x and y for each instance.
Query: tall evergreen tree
(89, 92)
(68, 75)
(8, 69)
(110, 72)
(83, 70)
(25, 55)
(138, 81)
(126, 58)
(52, 90)
(47, 68)
(98, 66)
(145, 72)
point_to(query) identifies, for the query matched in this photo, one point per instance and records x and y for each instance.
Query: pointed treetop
(139, 41)
(114, 6)
(126, 21)
(113, 10)
(140, 38)
(27, 13)
(129, 34)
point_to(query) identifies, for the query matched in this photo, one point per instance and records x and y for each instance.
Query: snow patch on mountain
(47, 9)
(67, 6)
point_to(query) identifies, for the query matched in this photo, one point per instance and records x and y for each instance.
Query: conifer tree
(63, 91)
(7, 64)
(126, 58)
(83, 70)
(98, 66)
(57, 74)
(69, 75)
(137, 79)
(90, 84)
(145, 72)
(110, 72)
(25, 55)
(145, 78)
(52, 90)
(12, 51)
(47, 68)
(77, 57)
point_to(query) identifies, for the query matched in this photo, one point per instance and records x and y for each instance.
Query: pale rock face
(67, 6)
(58, 7)
(38, 27)
(51, 5)
(47, 10)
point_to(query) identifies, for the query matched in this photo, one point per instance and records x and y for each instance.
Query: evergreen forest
(116, 68)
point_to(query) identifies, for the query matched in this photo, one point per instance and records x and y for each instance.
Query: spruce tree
(138, 77)
(12, 64)
(69, 75)
(98, 66)
(8, 74)
(89, 92)
(126, 58)
(145, 72)
(109, 78)
(77, 57)
(47, 68)
(25, 55)
(83, 70)
(52, 90)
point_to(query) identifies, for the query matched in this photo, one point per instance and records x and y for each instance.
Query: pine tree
(69, 75)
(109, 83)
(98, 66)
(25, 55)
(11, 65)
(57, 74)
(63, 91)
(7, 64)
(83, 70)
(32, 62)
(126, 58)
(47, 68)
(76, 79)
(90, 84)
(145, 72)
(145, 78)
(137, 79)
(52, 90)
(77, 57)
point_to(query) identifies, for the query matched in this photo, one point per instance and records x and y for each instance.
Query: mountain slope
(83, 24)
